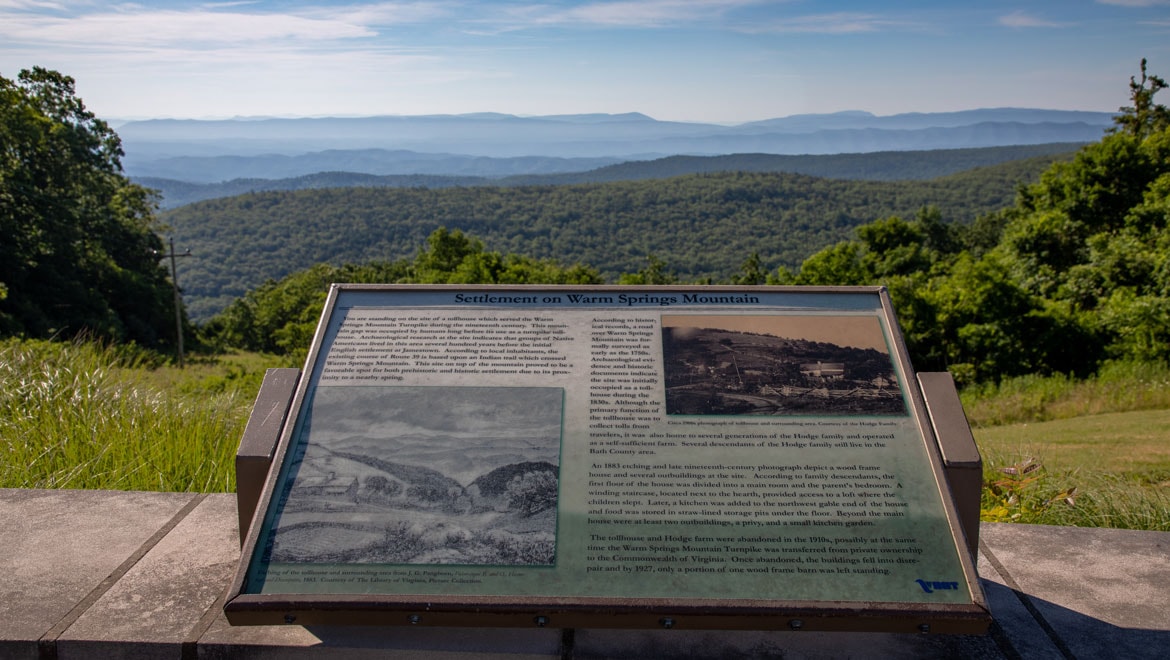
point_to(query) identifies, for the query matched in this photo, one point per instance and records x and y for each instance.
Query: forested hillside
(702, 226)
(362, 169)
(871, 166)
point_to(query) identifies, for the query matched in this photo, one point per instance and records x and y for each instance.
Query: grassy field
(84, 416)
(1131, 443)
(1107, 470)
(1056, 451)
(1093, 453)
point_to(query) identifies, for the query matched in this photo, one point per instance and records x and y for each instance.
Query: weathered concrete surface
(58, 546)
(98, 574)
(1100, 592)
(163, 597)
(1015, 628)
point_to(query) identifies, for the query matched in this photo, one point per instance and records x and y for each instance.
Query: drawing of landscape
(424, 475)
(722, 365)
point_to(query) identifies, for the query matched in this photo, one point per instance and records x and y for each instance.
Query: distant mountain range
(877, 166)
(205, 151)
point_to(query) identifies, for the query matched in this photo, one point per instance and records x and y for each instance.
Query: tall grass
(79, 415)
(1117, 387)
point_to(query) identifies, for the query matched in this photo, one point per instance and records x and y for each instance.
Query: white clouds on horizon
(227, 21)
(31, 4)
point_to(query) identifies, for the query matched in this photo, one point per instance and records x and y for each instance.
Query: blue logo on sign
(931, 587)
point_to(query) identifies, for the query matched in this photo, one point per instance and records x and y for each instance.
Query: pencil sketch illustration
(778, 365)
(424, 475)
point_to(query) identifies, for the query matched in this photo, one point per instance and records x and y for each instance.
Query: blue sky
(689, 60)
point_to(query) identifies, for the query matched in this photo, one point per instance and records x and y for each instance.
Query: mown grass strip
(1119, 443)
(1110, 470)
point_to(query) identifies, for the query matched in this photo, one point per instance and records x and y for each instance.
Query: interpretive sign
(737, 457)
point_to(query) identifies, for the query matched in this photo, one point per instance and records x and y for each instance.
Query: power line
(178, 300)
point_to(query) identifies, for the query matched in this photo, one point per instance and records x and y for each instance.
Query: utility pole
(178, 299)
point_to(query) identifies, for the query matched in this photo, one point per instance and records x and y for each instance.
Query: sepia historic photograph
(424, 475)
(778, 365)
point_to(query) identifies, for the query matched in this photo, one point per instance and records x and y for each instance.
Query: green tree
(1144, 116)
(752, 271)
(885, 248)
(894, 247)
(79, 253)
(655, 272)
(451, 257)
(280, 316)
(840, 264)
(1092, 237)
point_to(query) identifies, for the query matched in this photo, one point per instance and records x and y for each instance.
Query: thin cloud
(649, 14)
(1134, 3)
(210, 24)
(238, 50)
(1020, 19)
(31, 4)
(836, 23)
(224, 5)
(176, 27)
(387, 13)
(628, 14)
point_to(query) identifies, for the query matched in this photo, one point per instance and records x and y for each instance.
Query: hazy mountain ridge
(875, 166)
(917, 120)
(224, 168)
(153, 146)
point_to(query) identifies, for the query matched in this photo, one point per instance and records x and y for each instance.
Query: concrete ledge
(63, 549)
(103, 574)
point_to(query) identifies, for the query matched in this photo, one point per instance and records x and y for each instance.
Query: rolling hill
(377, 168)
(703, 225)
